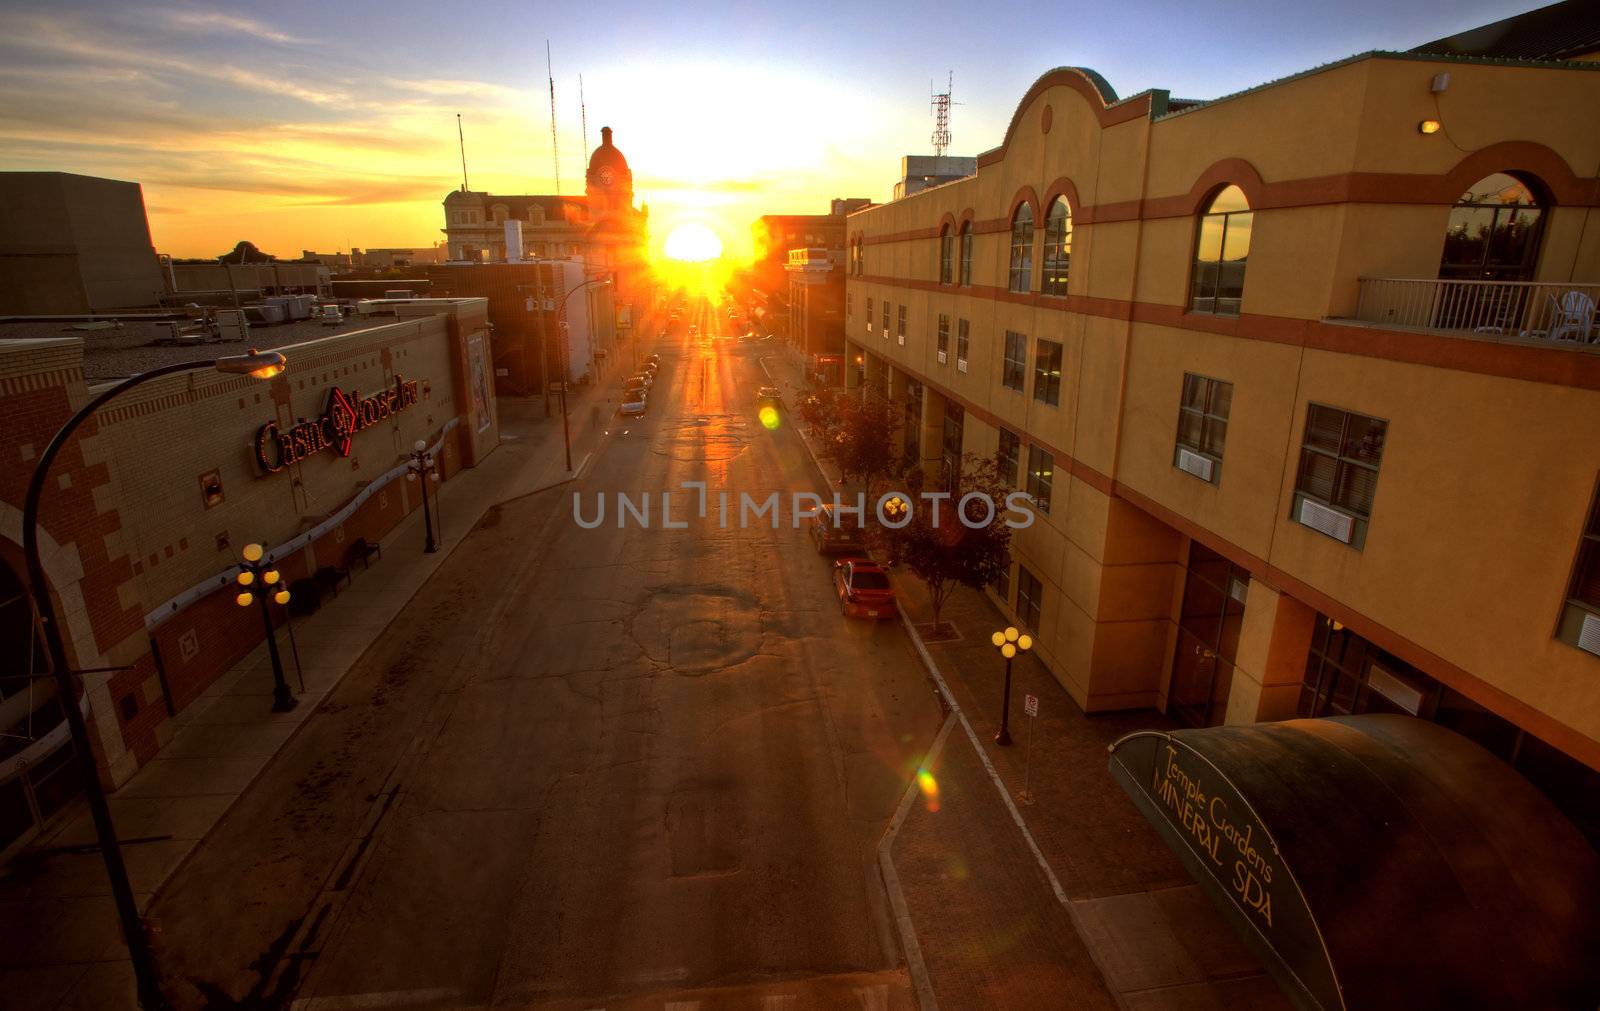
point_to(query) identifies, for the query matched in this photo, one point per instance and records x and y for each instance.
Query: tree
(863, 443)
(943, 550)
(819, 409)
(245, 252)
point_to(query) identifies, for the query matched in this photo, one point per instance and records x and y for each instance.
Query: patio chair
(1572, 318)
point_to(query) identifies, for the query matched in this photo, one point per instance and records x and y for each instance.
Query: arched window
(500, 213)
(946, 255)
(966, 254)
(1493, 234)
(1022, 248)
(1057, 247)
(1222, 247)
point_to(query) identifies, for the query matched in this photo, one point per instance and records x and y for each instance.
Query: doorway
(1214, 594)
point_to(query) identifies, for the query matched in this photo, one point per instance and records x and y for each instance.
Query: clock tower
(609, 182)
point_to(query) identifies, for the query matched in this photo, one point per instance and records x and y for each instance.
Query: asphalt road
(587, 768)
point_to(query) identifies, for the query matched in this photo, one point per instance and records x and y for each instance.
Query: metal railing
(1558, 314)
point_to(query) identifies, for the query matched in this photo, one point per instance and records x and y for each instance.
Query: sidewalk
(991, 915)
(64, 947)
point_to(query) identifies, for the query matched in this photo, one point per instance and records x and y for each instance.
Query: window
(944, 339)
(1493, 234)
(1022, 248)
(1041, 475)
(913, 423)
(1580, 616)
(850, 305)
(1030, 599)
(900, 325)
(1339, 458)
(1002, 582)
(963, 343)
(1047, 373)
(1202, 426)
(1015, 362)
(1057, 247)
(885, 319)
(945, 255)
(869, 315)
(1007, 457)
(1222, 245)
(966, 255)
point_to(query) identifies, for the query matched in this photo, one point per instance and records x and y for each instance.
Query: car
(633, 383)
(846, 535)
(632, 403)
(769, 394)
(330, 315)
(863, 588)
(648, 377)
(653, 357)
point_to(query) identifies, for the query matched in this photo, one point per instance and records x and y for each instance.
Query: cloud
(208, 22)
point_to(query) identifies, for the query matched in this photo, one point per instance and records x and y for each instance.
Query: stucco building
(1304, 380)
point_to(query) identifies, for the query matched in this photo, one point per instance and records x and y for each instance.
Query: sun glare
(693, 243)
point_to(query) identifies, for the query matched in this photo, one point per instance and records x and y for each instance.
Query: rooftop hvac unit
(1327, 521)
(1194, 463)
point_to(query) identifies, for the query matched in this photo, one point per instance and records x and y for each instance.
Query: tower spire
(555, 146)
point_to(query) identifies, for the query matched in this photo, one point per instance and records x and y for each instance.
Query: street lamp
(267, 582)
(1009, 642)
(261, 365)
(422, 466)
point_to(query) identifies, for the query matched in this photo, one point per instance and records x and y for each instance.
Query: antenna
(941, 103)
(555, 147)
(463, 139)
(583, 114)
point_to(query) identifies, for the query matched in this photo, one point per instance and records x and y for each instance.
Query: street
(587, 767)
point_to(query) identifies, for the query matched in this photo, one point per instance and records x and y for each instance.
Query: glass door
(1208, 638)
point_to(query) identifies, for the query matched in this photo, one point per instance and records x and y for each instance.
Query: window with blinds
(1339, 456)
(944, 339)
(1041, 477)
(1047, 373)
(1202, 426)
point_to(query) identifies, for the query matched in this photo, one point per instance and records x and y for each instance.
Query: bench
(305, 596)
(328, 578)
(362, 550)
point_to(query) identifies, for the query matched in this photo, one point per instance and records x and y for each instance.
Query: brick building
(149, 504)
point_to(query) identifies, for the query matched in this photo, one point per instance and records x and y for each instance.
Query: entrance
(1208, 638)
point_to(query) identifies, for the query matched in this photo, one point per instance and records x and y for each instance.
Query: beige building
(1305, 381)
(72, 244)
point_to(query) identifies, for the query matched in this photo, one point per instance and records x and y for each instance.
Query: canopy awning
(1378, 861)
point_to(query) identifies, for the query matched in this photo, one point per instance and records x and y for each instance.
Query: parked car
(632, 402)
(653, 357)
(863, 588)
(694, 330)
(848, 536)
(633, 383)
(769, 395)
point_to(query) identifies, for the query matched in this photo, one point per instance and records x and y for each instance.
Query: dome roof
(607, 158)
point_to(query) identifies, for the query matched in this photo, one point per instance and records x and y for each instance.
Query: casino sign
(344, 415)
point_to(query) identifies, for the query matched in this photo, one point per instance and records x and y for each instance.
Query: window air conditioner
(1194, 463)
(1327, 521)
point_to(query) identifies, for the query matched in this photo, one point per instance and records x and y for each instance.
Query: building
(1291, 457)
(774, 235)
(151, 502)
(221, 282)
(921, 171)
(543, 313)
(816, 310)
(72, 244)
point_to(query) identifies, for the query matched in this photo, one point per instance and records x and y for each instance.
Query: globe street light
(1009, 642)
(422, 466)
(253, 571)
(147, 979)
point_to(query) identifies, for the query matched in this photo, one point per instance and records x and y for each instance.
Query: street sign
(1030, 705)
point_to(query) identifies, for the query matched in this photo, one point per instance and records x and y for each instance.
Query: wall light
(1429, 126)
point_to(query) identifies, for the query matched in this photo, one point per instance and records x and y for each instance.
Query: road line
(891, 878)
(582, 464)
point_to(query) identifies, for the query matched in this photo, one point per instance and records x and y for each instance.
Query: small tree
(819, 409)
(245, 252)
(942, 550)
(864, 442)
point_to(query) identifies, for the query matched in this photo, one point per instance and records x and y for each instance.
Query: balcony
(1561, 315)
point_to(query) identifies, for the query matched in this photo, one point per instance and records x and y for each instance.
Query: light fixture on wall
(1429, 126)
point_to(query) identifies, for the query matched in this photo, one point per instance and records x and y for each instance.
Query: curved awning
(1378, 861)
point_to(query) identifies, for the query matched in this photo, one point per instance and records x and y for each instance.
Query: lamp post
(256, 571)
(1009, 642)
(147, 978)
(423, 467)
(561, 355)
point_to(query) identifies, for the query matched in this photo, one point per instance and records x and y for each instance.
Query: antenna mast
(583, 115)
(941, 119)
(555, 147)
(463, 139)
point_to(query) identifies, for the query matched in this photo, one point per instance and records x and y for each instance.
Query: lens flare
(769, 416)
(930, 789)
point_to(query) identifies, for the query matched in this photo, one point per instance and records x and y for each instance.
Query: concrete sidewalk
(64, 947)
(993, 878)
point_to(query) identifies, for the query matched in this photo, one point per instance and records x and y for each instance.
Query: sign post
(1030, 705)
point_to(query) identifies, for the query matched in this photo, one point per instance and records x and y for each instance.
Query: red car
(863, 588)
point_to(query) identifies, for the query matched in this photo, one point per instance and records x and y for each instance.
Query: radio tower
(941, 119)
(555, 147)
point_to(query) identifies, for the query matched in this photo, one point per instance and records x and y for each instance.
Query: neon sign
(344, 415)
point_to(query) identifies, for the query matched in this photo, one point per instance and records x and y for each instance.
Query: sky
(315, 125)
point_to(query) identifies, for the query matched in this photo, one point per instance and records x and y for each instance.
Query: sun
(693, 243)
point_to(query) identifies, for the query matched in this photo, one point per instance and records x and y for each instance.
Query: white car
(633, 403)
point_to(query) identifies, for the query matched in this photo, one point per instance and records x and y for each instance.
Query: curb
(891, 878)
